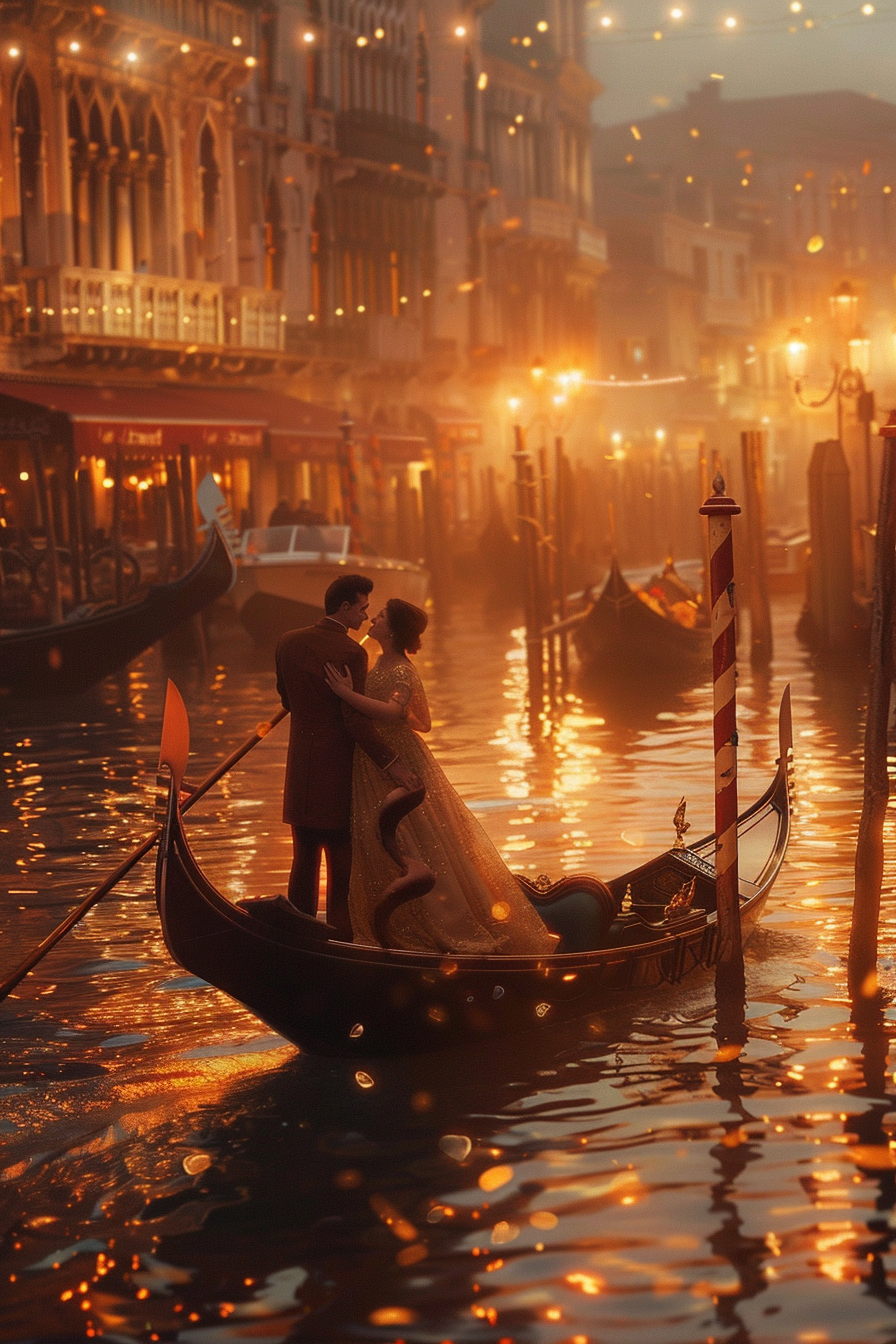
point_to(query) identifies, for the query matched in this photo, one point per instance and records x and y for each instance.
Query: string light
(737, 24)
(635, 382)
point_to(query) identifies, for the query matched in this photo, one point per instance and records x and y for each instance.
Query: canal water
(173, 1171)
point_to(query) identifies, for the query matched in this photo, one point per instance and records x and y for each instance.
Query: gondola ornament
(681, 826)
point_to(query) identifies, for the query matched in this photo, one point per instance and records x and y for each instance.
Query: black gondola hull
(621, 636)
(69, 658)
(345, 999)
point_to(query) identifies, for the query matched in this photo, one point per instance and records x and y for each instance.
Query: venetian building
(127, 300)
(119, 197)
(543, 252)
(346, 164)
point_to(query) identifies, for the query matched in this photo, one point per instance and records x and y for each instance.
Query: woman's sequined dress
(476, 905)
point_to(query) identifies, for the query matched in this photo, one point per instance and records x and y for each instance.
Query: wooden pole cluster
(348, 482)
(435, 547)
(869, 864)
(753, 453)
(542, 507)
(720, 509)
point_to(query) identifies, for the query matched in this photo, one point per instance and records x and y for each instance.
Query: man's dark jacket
(323, 729)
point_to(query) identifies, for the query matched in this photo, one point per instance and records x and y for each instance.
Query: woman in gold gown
(476, 905)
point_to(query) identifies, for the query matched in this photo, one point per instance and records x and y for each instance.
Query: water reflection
(619, 1179)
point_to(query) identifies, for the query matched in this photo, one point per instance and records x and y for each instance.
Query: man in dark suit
(323, 734)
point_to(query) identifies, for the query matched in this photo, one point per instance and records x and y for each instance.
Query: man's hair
(346, 589)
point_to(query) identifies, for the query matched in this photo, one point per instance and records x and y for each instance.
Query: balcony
(383, 139)
(71, 302)
(218, 22)
(721, 310)
(550, 220)
(591, 246)
(361, 340)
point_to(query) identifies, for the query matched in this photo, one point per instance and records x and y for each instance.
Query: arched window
(79, 169)
(422, 85)
(274, 238)
(210, 197)
(320, 259)
(121, 232)
(469, 100)
(30, 151)
(158, 198)
(98, 190)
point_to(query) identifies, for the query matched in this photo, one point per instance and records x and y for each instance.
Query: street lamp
(849, 379)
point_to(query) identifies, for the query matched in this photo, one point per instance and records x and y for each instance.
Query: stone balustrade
(78, 301)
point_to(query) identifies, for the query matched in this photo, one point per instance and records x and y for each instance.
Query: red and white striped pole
(720, 509)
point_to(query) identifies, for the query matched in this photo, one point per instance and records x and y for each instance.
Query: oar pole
(39, 952)
(720, 509)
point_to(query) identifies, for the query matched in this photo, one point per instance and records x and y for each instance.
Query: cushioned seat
(581, 912)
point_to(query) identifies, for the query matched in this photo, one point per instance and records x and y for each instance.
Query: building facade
(378, 208)
(776, 203)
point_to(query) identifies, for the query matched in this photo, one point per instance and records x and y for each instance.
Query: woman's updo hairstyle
(406, 624)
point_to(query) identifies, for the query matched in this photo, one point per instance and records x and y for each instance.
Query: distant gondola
(341, 998)
(624, 635)
(70, 657)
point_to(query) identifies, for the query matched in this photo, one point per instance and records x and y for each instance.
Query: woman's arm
(393, 710)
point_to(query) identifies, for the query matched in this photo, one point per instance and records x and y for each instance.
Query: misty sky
(842, 50)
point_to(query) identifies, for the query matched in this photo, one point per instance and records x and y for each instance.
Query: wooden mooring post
(528, 533)
(561, 542)
(829, 621)
(547, 569)
(869, 865)
(752, 443)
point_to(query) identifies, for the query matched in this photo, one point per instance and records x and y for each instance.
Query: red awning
(161, 419)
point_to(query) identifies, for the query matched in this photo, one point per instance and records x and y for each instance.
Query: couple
(333, 792)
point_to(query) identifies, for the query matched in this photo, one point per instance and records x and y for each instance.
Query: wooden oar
(133, 858)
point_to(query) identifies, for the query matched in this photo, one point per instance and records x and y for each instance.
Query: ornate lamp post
(848, 381)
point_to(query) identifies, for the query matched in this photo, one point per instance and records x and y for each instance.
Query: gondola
(649, 927)
(624, 636)
(69, 657)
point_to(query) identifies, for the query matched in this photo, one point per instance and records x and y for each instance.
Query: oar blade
(175, 735)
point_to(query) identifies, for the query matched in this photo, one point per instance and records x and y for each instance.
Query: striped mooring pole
(720, 509)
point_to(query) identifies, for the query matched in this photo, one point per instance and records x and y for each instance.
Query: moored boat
(645, 632)
(283, 573)
(71, 656)
(648, 927)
